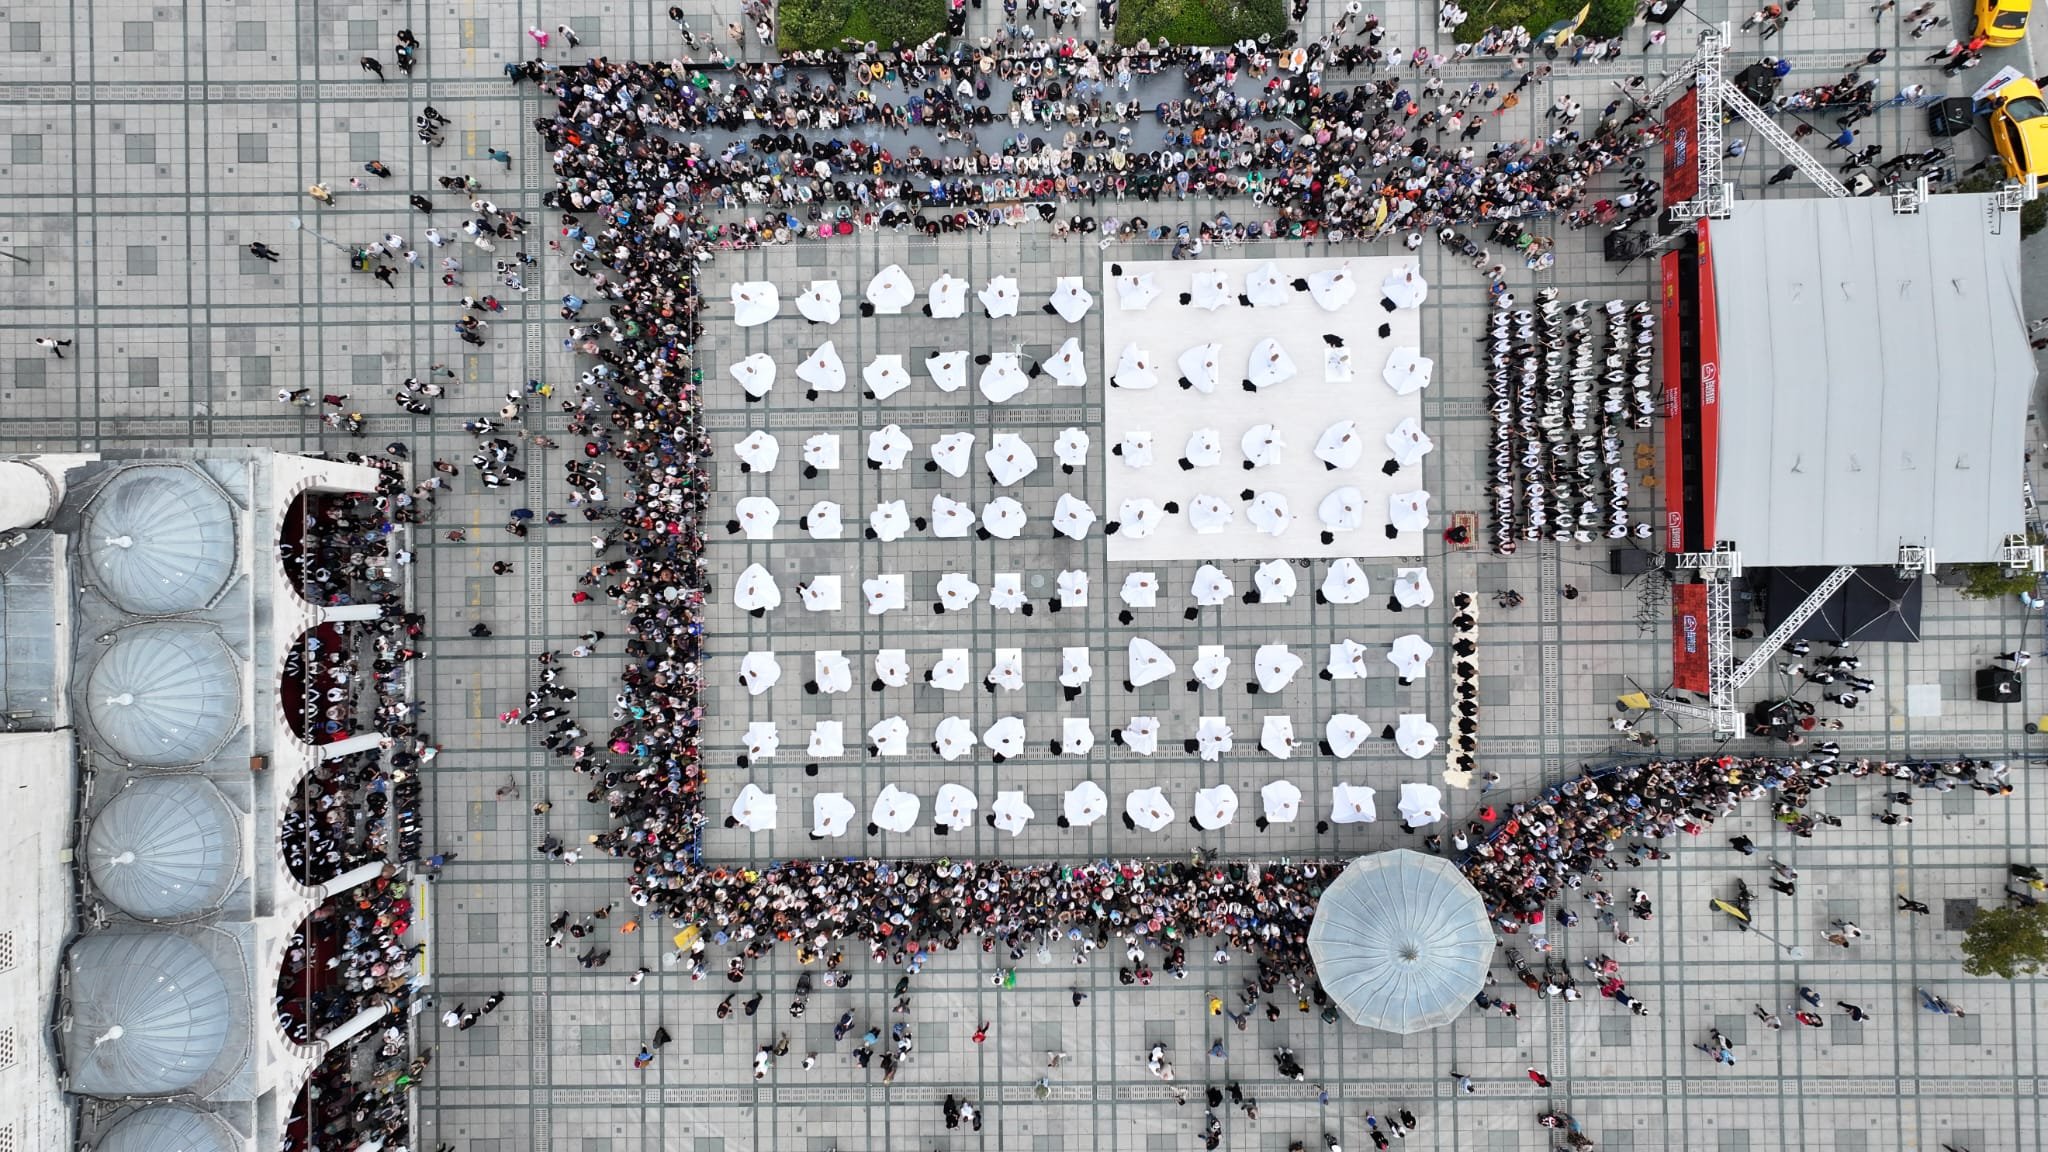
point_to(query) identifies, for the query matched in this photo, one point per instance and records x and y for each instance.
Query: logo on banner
(1710, 383)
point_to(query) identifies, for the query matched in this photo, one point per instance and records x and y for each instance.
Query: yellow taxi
(2019, 128)
(2003, 23)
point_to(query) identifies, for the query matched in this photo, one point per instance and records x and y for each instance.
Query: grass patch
(803, 25)
(1608, 17)
(1204, 23)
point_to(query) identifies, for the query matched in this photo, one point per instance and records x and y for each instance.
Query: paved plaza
(147, 146)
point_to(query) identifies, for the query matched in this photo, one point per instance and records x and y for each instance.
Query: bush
(810, 24)
(1607, 18)
(1989, 582)
(2033, 214)
(2008, 942)
(1200, 22)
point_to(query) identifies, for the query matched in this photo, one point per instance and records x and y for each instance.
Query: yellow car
(2019, 129)
(2003, 23)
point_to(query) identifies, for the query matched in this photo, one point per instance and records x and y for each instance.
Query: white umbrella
(1276, 736)
(1209, 514)
(1343, 510)
(1345, 582)
(1410, 656)
(1000, 297)
(883, 593)
(1198, 367)
(1347, 660)
(1010, 812)
(885, 376)
(952, 452)
(758, 452)
(1211, 587)
(1073, 587)
(754, 809)
(895, 810)
(1147, 663)
(762, 740)
(1408, 442)
(754, 302)
(889, 521)
(1003, 518)
(1275, 667)
(1083, 804)
(953, 738)
(1077, 738)
(1007, 672)
(1414, 735)
(759, 671)
(946, 298)
(1075, 667)
(948, 370)
(1339, 445)
(1209, 290)
(892, 667)
(1072, 516)
(1068, 367)
(1006, 593)
(952, 670)
(1005, 737)
(831, 812)
(1070, 300)
(821, 451)
(1264, 287)
(1138, 518)
(757, 517)
(1344, 732)
(1352, 804)
(1408, 370)
(831, 671)
(1141, 735)
(887, 446)
(1135, 369)
(1135, 450)
(1405, 287)
(823, 521)
(1332, 288)
(1072, 448)
(1003, 377)
(890, 737)
(1411, 588)
(1215, 807)
(820, 594)
(1408, 511)
(890, 291)
(1009, 458)
(1212, 664)
(1261, 445)
(820, 302)
(1269, 364)
(1421, 804)
(1136, 291)
(1204, 450)
(1147, 808)
(1280, 802)
(1274, 580)
(1212, 737)
(756, 374)
(951, 520)
(755, 590)
(956, 591)
(1140, 590)
(828, 739)
(1268, 513)
(953, 807)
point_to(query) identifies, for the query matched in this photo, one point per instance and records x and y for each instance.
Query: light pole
(299, 225)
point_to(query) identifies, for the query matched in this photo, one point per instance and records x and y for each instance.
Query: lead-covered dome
(164, 695)
(164, 848)
(150, 1014)
(159, 539)
(168, 1128)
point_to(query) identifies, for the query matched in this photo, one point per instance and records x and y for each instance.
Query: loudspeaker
(1954, 116)
(1630, 561)
(1998, 686)
(1624, 246)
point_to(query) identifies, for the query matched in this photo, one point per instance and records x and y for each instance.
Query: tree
(1990, 582)
(2008, 942)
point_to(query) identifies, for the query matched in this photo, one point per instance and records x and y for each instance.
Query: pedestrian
(1783, 174)
(262, 251)
(371, 64)
(1855, 1011)
(1539, 1079)
(1743, 844)
(55, 346)
(2017, 659)
(500, 155)
(1907, 904)
(1844, 140)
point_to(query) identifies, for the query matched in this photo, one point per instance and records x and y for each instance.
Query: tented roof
(164, 848)
(1876, 605)
(168, 1128)
(165, 695)
(1874, 379)
(1401, 941)
(159, 539)
(150, 1014)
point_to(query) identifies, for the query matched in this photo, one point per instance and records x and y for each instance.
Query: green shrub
(2033, 214)
(1608, 17)
(1200, 22)
(808, 24)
